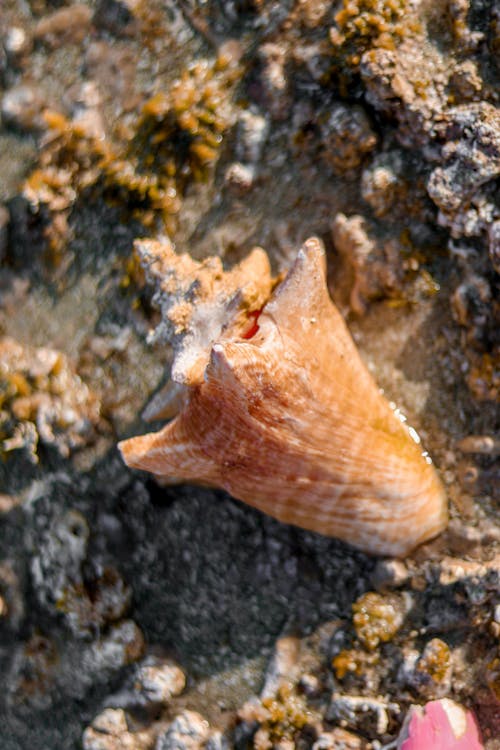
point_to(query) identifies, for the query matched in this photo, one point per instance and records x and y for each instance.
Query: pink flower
(439, 725)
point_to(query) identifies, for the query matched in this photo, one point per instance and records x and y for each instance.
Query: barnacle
(70, 161)
(352, 661)
(43, 399)
(175, 139)
(186, 124)
(361, 25)
(281, 716)
(286, 417)
(435, 660)
(377, 618)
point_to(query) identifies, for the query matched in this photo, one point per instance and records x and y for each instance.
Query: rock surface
(221, 126)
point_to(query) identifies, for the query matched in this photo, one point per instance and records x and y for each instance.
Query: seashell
(288, 419)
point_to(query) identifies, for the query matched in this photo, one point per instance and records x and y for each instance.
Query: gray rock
(188, 731)
(218, 741)
(372, 714)
(158, 680)
(463, 186)
(61, 548)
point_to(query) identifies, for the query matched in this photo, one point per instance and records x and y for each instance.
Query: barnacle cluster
(361, 25)
(70, 161)
(281, 716)
(186, 124)
(145, 168)
(352, 661)
(110, 730)
(176, 139)
(89, 605)
(433, 669)
(476, 310)
(377, 618)
(42, 400)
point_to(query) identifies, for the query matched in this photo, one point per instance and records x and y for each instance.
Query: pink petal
(439, 725)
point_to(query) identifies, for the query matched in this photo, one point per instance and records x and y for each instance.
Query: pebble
(252, 133)
(282, 665)
(274, 81)
(240, 176)
(353, 710)
(22, 108)
(428, 674)
(17, 44)
(122, 645)
(389, 574)
(84, 103)
(310, 685)
(339, 738)
(463, 539)
(8, 503)
(158, 681)
(109, 731)
(480, 443)
(188, 731)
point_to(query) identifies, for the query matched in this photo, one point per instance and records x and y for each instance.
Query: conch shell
(289, 420)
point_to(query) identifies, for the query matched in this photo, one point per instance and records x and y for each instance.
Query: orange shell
(291, 422)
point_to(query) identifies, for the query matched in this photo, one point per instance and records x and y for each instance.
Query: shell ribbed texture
(291, 422)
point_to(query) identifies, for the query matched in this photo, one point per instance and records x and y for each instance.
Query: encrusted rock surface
(144, 617)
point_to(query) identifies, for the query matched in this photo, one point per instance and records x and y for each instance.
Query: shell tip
(313, 254)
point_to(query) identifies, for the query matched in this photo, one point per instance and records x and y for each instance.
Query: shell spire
(289, 420)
